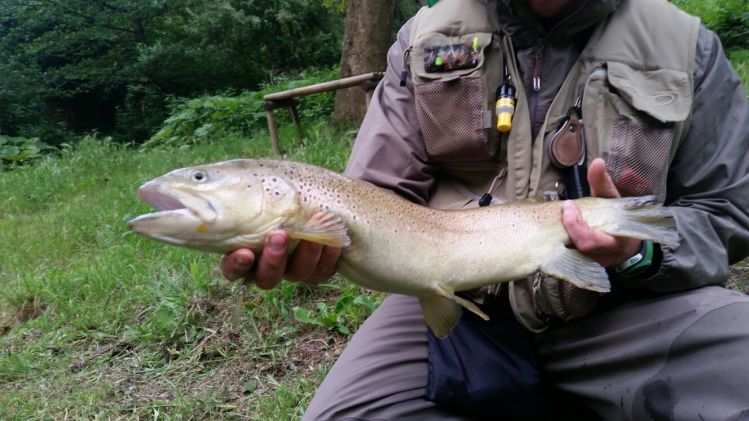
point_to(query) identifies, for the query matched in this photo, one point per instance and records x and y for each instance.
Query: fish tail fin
(643, 218)
(572, 266)
(442, 311)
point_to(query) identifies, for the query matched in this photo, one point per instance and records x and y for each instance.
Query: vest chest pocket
(452, 78)
(631, 116)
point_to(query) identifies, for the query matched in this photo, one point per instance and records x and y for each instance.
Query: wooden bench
(288, 98)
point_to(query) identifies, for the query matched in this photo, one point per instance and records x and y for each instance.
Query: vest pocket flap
(663, 94)
(438, 56)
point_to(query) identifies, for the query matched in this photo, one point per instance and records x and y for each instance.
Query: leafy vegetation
(210, 117)
(74, 66)
(71, 67)
(728, 18)
(19, 150)
(740, 60)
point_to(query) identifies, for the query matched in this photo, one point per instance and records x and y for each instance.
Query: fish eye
(198, 176)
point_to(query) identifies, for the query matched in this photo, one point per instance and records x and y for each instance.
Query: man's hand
(310, 263)
(605, 249)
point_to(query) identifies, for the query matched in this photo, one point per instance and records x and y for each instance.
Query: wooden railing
(288, 98)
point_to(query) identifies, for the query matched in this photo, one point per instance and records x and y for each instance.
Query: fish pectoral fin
(572, 266)
(324, 228)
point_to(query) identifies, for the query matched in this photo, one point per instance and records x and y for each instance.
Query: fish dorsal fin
(324, 228)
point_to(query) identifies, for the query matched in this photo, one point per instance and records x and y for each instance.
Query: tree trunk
(366, 41)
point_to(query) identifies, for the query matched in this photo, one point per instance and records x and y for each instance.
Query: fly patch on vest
(452, 77)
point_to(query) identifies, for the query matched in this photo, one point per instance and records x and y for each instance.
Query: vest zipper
(535, 83)
(537, 67)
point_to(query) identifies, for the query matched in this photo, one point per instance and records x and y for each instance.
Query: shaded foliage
(728, 18)
(201, 119)
(111, 65)
(117, 67)
(19, 150)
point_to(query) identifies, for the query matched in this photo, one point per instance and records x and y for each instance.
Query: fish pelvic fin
(574, 267)
(442, 311)
(324, 228)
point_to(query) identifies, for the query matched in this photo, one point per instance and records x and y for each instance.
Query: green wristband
(638, 263)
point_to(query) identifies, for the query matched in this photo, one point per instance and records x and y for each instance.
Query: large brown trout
(389, 244)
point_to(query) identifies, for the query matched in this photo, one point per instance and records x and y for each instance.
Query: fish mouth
(162, 201)
(170, 201)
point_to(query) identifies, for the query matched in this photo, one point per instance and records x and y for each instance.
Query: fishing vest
(635, 82)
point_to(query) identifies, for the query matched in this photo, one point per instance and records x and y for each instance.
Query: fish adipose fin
(442, 311)
(572, 266)
(324, 228)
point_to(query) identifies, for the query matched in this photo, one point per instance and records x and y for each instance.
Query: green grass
(97, 322)
(740, 61)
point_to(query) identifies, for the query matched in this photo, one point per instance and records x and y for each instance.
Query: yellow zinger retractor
(505, 107)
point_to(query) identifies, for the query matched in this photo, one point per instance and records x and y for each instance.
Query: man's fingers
(326, 266)
(272, 262)
(304, 261)
(599, 180)
(237, 264)
(573, 222)
(585, 239)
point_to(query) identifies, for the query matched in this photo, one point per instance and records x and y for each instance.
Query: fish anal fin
(468, 304)
(440, 314)
(572, 266)
(324, 228)
(442, 311)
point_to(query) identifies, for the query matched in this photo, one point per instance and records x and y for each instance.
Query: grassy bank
(96, 322)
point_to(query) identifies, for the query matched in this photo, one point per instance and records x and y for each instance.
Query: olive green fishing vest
(635, 79)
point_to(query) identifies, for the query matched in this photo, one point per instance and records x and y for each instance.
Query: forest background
(98, 96)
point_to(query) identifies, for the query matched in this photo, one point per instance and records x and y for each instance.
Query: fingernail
(242, 260)
(277, 243)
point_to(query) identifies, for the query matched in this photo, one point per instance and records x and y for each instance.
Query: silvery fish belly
(389, 244)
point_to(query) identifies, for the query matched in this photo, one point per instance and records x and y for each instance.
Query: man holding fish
(663, 115)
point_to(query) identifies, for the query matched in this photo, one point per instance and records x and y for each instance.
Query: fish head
(217, 207)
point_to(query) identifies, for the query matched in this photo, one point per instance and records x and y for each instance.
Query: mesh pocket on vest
(638, 158)
(451, 118)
